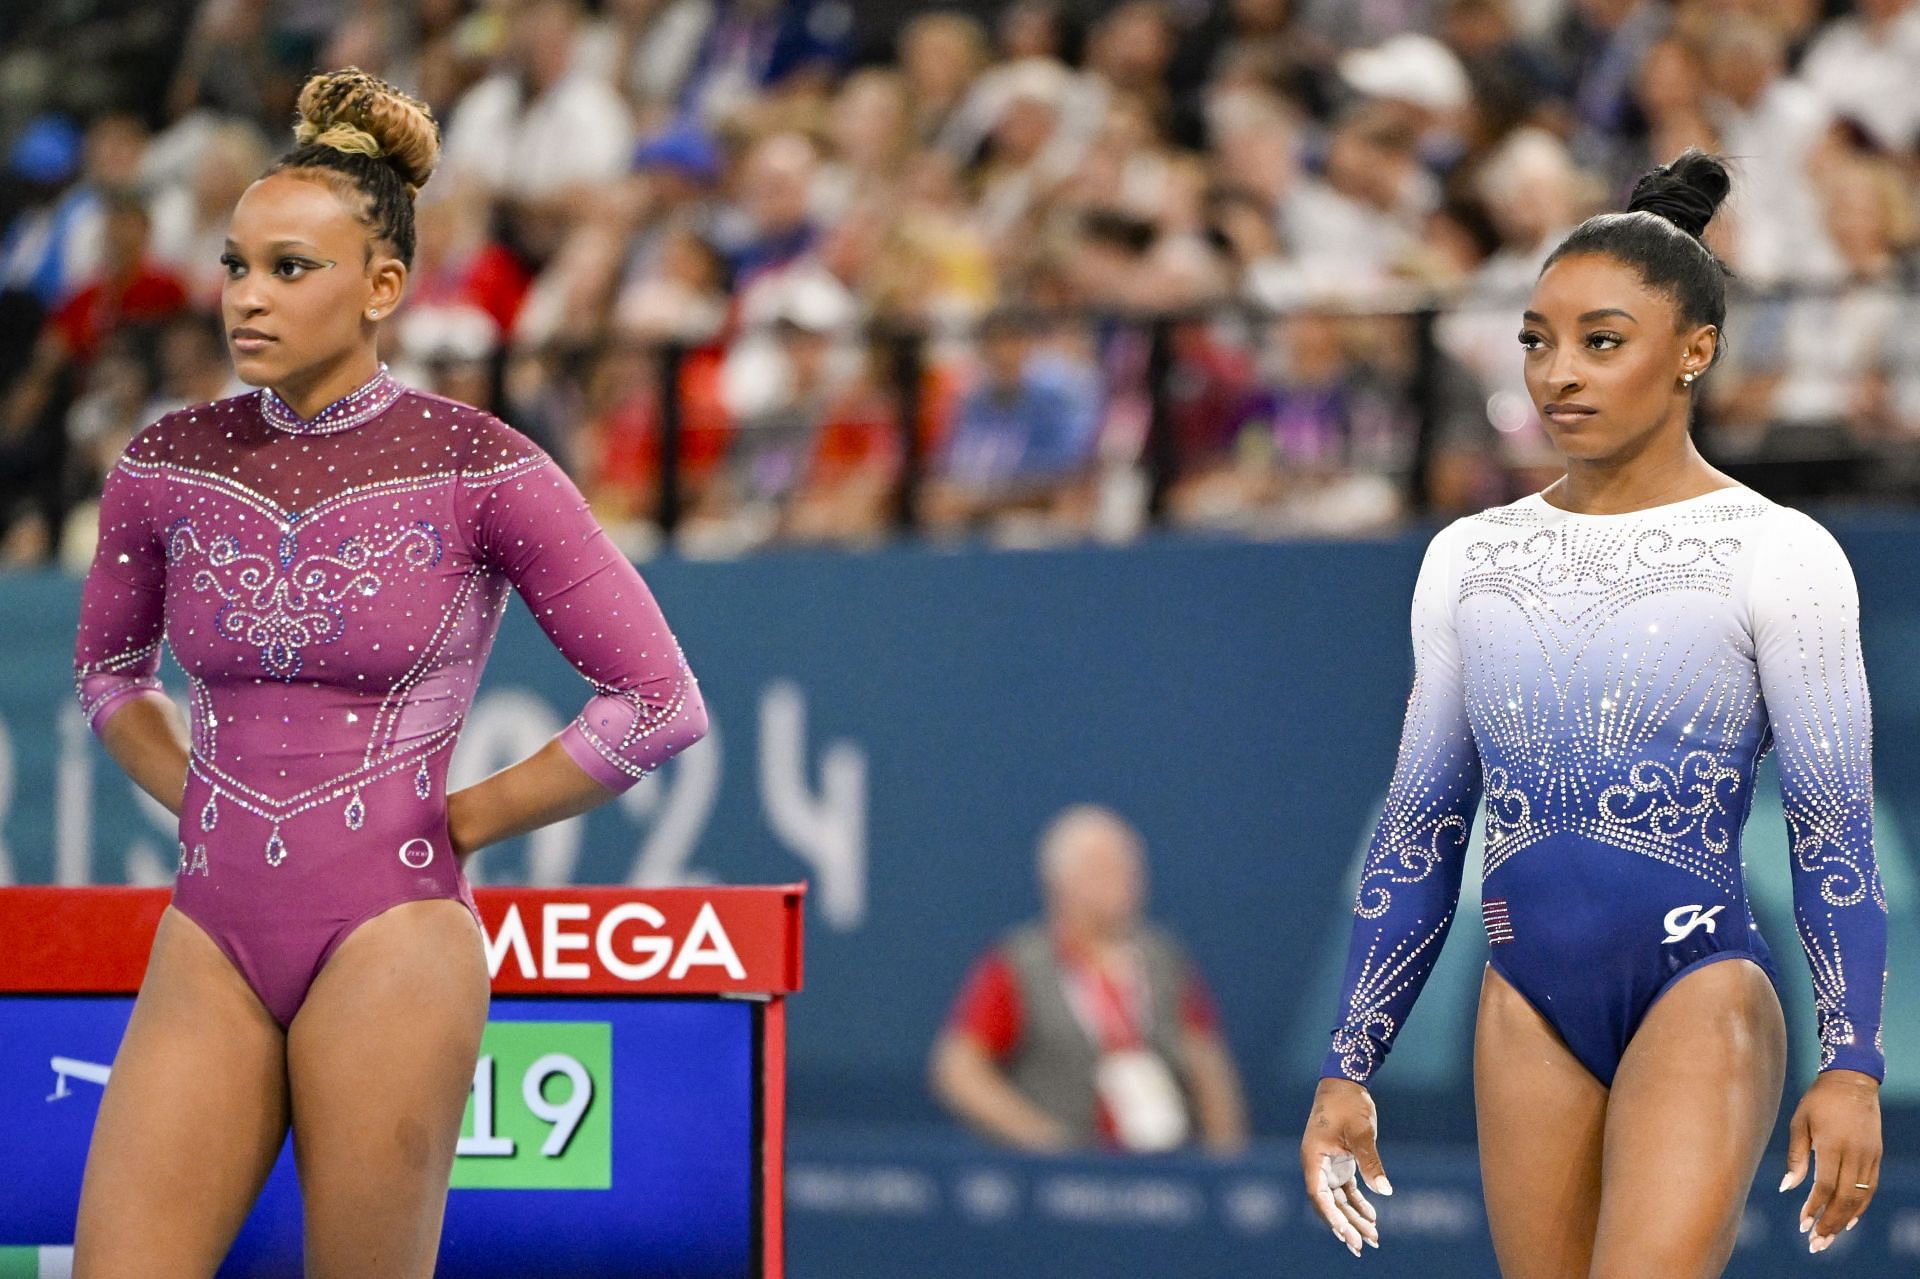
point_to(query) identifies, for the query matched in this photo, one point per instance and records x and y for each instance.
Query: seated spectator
(1825, 373)
(190, 217)
(543, 132)
(53, 237)
(781, 386)
(1865, 65)
(620, 466)
(130, 292)
(1090, 1026)
(772, 225)
(131, 288)
(1317, 438)
(1021, 436)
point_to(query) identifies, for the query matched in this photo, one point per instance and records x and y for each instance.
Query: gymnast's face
(1604, 358)
(302, 273)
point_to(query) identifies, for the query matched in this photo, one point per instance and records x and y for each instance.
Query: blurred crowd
(1040, 271)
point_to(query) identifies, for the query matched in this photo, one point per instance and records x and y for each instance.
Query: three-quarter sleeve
(116, 653)
(535, 528)
(1410, 880)
(1805, 619)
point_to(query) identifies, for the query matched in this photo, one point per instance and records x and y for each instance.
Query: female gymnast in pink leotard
(329, 558)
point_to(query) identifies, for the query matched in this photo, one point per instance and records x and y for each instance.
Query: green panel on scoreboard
(540, 1115)
(19, 1263)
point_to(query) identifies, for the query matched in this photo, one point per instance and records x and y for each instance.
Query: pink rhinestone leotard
(332, 586)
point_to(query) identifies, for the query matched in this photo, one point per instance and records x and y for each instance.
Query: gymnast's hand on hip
(1336, 1153)
(1838, 1121)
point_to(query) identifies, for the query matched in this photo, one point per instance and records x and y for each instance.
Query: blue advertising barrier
(935, 1206)
(898, 726)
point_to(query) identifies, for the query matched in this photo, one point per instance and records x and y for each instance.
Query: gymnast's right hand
(1337, 1151)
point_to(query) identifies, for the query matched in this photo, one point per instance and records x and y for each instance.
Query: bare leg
(193, 1117)
(1693, 1102)
(1541, 1116)
(381, 1057)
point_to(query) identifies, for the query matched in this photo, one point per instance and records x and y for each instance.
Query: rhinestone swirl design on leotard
(1609, 684)
(1580, 694)
(288, 603)
(364, 558)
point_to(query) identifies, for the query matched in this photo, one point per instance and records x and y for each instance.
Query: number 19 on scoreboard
(540, 1115)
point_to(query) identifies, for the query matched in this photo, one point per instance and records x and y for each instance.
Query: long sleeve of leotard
(117, 649)
(536, 528)
(1805, 618)
(1410, 882)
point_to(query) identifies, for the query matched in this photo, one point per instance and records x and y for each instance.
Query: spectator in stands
(1604, 44)
(1023, 434)
(130, 292)
(941, 55)
(1671, 96)
(544, 131)
(52, 238)
(654, 44)
(190, 218)
(1827, 373)
(780, 389)
(54, 249)
(1865, 66)
(773, 224)
(131, 288)
(1090, 1026)
(1355, 230)
(1514, 81)
(1079, 155)
(1773, 123)
(229, 65)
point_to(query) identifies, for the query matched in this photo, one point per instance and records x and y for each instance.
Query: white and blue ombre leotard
(1610, 682)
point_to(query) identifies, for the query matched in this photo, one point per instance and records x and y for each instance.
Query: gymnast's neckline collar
(362, 404)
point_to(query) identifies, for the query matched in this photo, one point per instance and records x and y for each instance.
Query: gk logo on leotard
(417, 852)
(1683, 920)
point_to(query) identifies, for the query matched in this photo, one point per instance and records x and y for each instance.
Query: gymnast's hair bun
(1686, 192)
(354, 112)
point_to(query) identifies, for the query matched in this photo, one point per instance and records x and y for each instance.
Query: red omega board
(540, 941)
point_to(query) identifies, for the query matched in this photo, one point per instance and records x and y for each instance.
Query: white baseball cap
(1409, 68)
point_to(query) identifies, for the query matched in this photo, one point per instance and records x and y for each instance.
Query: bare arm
(967, 1082)
(544, 788)
(148, 739)
(1217, 1099)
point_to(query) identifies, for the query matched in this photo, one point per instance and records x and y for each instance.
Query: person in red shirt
(1090, 1027)
(131, 289)
(35, 492)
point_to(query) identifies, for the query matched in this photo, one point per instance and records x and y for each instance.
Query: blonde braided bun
(351, 111)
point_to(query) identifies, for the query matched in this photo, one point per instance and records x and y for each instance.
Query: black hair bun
(1686, 192)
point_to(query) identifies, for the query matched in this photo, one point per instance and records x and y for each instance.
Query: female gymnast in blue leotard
(1605, 662)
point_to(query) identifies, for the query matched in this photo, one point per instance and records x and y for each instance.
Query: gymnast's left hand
(1838, 1122)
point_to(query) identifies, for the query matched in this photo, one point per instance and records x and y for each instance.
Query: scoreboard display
(625, 1116)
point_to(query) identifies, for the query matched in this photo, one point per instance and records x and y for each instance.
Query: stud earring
(1687, 378)
(373, 313)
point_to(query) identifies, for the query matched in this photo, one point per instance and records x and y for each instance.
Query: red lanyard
(1111, 1018)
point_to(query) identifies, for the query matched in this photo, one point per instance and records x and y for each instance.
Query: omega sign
(630, 941)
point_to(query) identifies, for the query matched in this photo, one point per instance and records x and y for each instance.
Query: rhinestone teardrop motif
(356, 813)
(422, 783)
(208, 814)
(276, 848)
